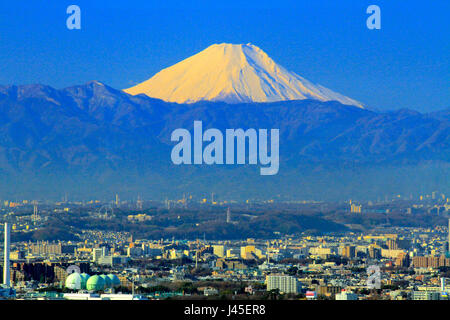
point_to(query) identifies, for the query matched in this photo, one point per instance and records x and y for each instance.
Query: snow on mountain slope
(232, 73)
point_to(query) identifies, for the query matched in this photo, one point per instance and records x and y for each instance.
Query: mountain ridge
(93, 139)
(232, 73)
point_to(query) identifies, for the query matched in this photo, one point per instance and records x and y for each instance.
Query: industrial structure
(6, 274)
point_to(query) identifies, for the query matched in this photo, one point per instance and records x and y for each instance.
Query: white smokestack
(6, 275)
(448, 245)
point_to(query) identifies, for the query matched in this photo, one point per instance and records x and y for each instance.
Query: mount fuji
(233, 73)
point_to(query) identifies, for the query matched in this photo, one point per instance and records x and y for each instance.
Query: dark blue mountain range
(93, 141)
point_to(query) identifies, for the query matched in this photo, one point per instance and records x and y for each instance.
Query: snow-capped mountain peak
(232, 73)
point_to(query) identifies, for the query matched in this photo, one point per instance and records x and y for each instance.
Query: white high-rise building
(97, 253)
(6, 274)
(284, 283)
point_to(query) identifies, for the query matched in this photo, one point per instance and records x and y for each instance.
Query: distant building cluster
(103, 264)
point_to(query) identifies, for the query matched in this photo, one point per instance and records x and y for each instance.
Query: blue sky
(403, 65)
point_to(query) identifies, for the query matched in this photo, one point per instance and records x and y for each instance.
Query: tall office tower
(6, 275)
(392, 244)
(228, 215)
(349, 251)
(117, 200)
(139, 203)
(355, 208)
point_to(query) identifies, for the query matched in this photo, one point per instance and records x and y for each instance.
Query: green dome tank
(84, 279)
(95, 283)
(107, 280)
(114, 280)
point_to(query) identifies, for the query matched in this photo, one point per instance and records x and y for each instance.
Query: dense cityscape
(224, 159)
(396, 248)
